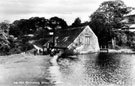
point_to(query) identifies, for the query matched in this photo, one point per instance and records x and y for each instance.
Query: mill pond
(97, 69)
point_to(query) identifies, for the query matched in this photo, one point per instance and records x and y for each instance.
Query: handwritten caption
(31, 82)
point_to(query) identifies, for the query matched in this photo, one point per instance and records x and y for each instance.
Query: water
(94, 70)
(97, 69)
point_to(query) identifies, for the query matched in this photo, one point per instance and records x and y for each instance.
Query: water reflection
(94, 70)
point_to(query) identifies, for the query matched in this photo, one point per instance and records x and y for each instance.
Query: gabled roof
(40, 42)
(129, 26)
(132, 13)
(132, 26)
(66, 37)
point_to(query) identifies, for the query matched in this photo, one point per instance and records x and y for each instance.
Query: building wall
(130, 19)
(86, 42)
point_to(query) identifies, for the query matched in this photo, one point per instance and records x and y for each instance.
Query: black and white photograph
(67, 42)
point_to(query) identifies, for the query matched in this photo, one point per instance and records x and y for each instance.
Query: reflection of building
(78, 40)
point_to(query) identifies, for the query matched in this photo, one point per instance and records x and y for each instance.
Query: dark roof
(40, 42)
(67, 36)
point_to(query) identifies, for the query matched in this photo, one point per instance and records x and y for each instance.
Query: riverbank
(118, 51)
(23, 68)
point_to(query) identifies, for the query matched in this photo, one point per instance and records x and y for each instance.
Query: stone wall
(86, 42)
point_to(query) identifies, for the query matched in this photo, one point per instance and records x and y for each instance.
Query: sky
(66, 9)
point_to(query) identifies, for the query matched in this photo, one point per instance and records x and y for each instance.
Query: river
(97, 69)
(104, 69)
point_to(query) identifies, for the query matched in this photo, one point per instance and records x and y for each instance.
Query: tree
(4, 27)
(25, 30)
(28, 26)
(4, 43)
(77, 22)
(107, 18)
(19, 28)
(121, 38)
(57, 23)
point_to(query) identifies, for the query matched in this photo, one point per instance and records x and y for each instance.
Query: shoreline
(129, 51)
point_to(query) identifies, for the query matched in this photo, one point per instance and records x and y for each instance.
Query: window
(87, 40)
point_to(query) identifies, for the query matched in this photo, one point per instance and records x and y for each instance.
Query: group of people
(38, 52)
(46, 51)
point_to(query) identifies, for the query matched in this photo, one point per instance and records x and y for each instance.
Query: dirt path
(23, 68)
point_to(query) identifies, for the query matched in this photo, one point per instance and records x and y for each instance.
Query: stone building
(129, 21)
(77, 40)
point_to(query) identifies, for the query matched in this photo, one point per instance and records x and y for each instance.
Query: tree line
(105, 21)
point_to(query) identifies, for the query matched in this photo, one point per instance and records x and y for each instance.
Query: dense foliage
(107, 18)
(77, 22)
(22, 34)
